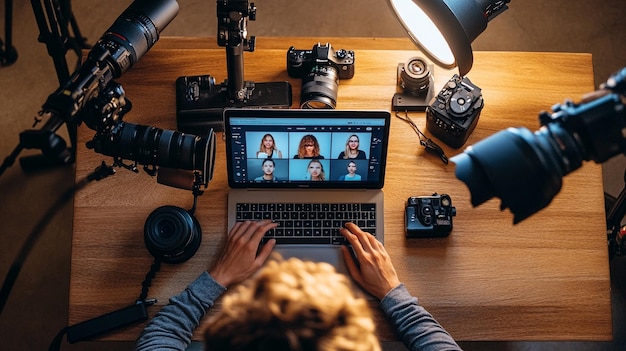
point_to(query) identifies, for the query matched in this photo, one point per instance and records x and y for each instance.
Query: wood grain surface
(546, 278)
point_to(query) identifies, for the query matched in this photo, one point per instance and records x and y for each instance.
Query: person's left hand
(239, 259)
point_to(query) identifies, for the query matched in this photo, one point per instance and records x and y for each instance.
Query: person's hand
(375, 272)
(239, 259)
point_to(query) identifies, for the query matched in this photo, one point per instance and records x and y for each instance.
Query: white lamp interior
(423, 31)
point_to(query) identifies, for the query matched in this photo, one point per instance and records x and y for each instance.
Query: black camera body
(429, 216)
(453, 113)
(320, 68)
(200, 101)
(301, 62)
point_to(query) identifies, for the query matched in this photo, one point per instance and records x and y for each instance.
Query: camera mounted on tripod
(200, 101)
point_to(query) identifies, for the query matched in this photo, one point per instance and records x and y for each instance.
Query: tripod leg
(81, 42)
(9, 55)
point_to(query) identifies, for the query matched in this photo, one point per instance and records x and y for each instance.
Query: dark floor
(37, 307)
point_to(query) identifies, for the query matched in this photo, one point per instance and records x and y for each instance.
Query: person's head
(316, 170)
(351, 167)
(293, 305)
(267, 143)
(352, 144)
(268, 166)
(308, 146)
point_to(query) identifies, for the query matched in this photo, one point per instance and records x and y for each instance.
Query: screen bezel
(304, 114)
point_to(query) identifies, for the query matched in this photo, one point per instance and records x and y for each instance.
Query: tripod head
(200, 100)
(232, 32)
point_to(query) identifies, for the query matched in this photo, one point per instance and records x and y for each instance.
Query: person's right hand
(375, 272)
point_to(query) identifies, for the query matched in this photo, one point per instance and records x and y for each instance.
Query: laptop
(310, 171)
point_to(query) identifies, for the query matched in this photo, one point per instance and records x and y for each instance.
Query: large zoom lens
(521, 168)
(132, 34)
(136, 30)
(525, 169)
(319, 88)
(153, 146)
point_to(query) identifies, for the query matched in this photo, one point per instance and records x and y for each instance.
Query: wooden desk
(544, 279)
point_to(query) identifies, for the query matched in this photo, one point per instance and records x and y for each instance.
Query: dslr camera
(320, 68)
(453, 113)
(429, 216)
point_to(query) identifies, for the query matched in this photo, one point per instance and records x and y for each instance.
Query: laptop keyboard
(309, 223)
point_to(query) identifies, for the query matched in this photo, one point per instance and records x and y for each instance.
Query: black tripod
(59, 30)
(8, 54)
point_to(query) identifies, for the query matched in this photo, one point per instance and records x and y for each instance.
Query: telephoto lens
(525, 169)
(136, 30)
(132, 34)
(153, 146)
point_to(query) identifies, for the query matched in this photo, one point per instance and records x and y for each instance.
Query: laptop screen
(270, 148)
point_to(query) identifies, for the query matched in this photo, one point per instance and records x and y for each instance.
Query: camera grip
(411, 221)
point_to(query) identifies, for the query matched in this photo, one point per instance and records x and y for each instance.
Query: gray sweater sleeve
(172, 328)
(417, 328)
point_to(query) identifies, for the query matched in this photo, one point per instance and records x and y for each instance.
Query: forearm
(418, 329)
(172, 328)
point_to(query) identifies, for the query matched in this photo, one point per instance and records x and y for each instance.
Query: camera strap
(425, 141)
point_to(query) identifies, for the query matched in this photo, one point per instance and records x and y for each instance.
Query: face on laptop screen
(306, 148)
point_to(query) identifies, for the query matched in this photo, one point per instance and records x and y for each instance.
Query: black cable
(147, 282)
(99, 173)
(108, 322)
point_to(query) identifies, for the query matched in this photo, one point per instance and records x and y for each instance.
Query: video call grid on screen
(287, 165)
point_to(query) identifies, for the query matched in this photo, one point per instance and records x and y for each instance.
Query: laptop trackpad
(328, 254)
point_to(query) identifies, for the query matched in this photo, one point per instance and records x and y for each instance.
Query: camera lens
(172, 234)
(427, 214)
(153, 146)
(319, 88)
(522, 168)
(427, 210)
(136, 30)
(415, 76)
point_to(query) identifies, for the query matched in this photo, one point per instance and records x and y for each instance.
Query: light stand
(8, 54)
(200, 102)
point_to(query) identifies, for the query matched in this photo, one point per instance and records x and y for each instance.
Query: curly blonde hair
(293, 305)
